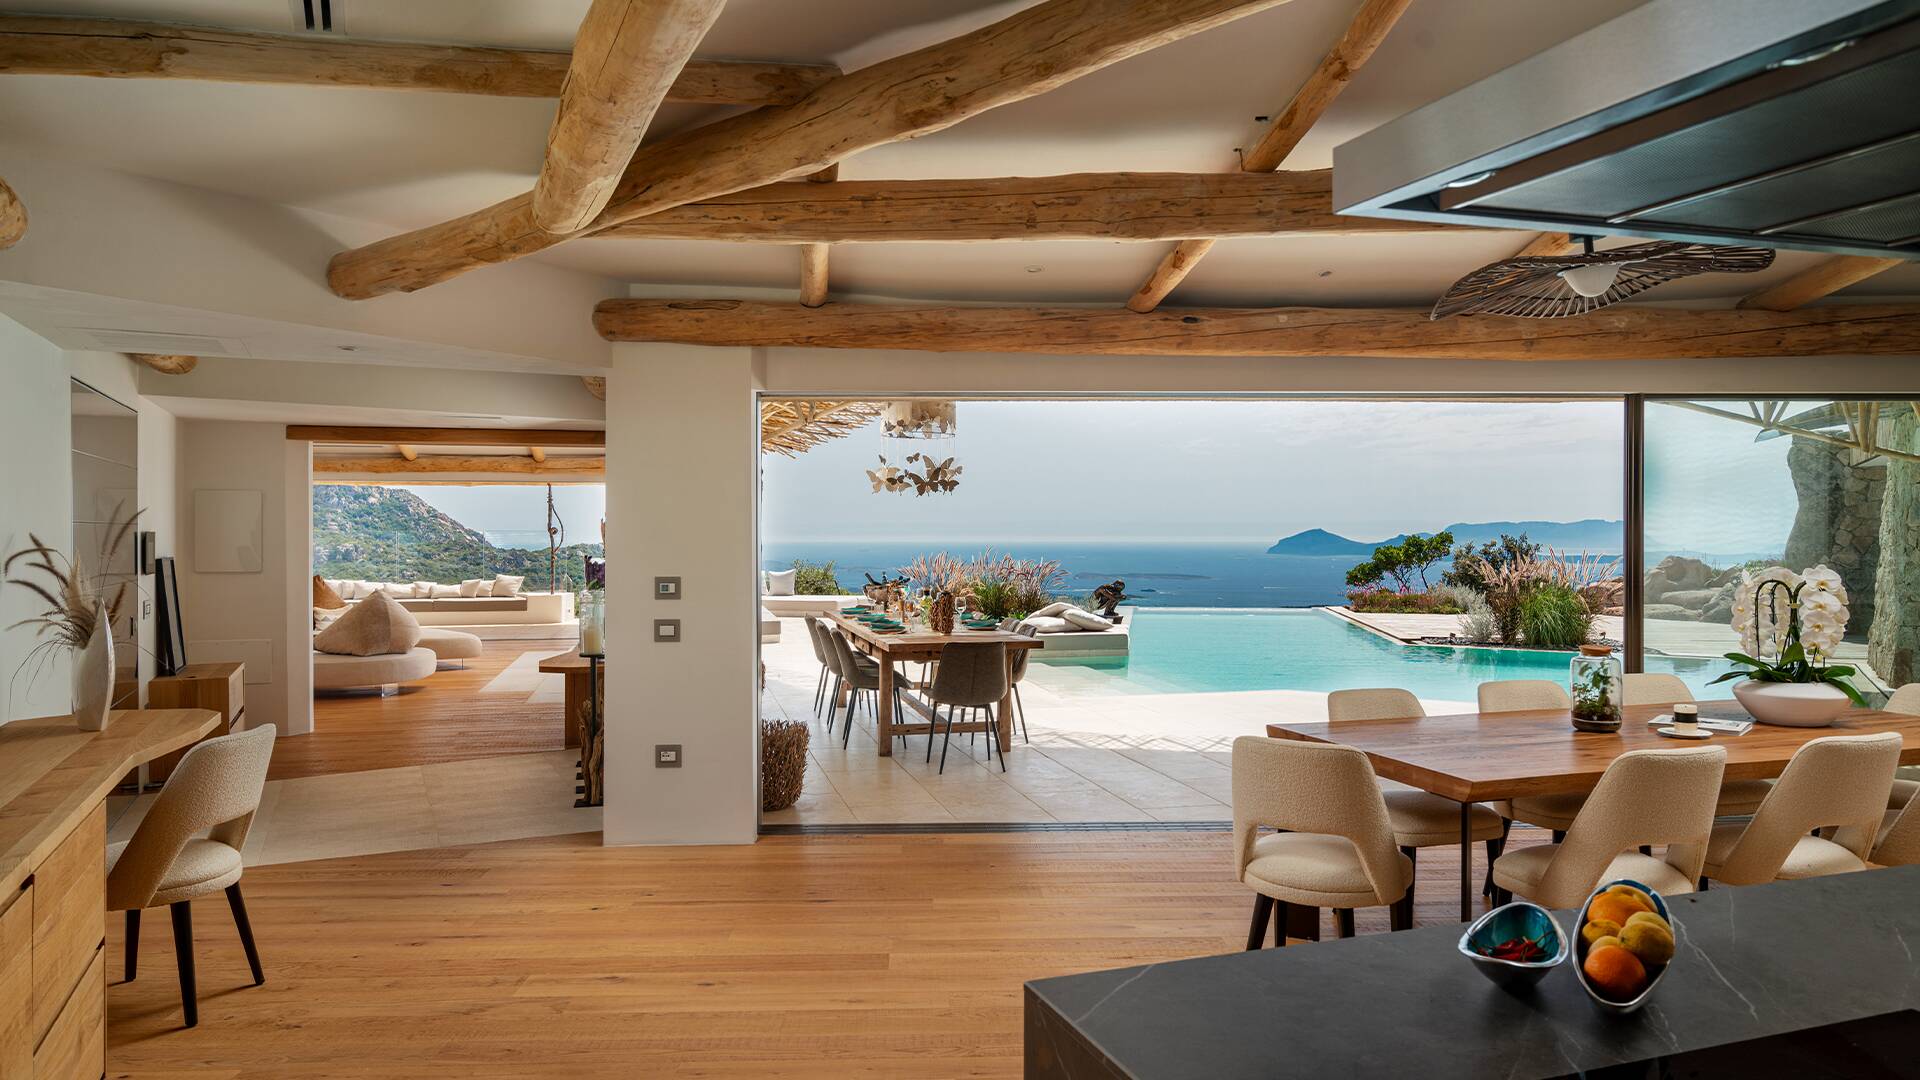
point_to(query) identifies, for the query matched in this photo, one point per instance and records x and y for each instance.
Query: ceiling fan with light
(1559, 286)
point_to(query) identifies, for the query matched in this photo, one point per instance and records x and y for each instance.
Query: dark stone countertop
(1751, 962)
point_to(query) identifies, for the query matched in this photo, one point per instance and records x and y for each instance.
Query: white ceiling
(407, 159)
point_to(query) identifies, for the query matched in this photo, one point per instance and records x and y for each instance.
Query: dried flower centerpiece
(79, 616)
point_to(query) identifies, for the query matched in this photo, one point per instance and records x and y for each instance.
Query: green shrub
(1386, 601)
(815, 579)
(1554, 617)
(1477, 623)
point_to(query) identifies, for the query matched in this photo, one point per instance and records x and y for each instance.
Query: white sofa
(331, 672)
(795, 606)
(1064, 641)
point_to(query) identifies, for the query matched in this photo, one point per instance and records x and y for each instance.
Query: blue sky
(1244, 470)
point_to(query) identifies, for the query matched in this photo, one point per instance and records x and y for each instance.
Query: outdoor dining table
(921, 645)
(1483, 757)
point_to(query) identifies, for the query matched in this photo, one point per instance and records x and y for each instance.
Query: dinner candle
(1686, 717)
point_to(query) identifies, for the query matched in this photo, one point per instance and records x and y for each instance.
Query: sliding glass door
(1736, 485)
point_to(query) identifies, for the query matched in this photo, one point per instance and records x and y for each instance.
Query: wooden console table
(220, 687)
(574, 667)
(54, 779)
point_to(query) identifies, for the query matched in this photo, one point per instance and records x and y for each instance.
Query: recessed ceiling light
(1034, 269)
(348, 348)
(1326, 273)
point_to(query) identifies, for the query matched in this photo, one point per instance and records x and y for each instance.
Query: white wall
(36, 496)
(682, 501)
(259, 618)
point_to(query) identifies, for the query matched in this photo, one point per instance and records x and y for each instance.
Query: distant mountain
(374, 533)
(1591, 534)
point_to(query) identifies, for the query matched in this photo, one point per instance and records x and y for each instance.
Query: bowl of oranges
(1625, 945)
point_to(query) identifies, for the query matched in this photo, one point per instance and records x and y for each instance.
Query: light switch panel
(666, 588)
(666, 755)
(666, 629)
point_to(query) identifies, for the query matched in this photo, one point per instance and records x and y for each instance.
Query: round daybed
(334, 672)
(449, 644)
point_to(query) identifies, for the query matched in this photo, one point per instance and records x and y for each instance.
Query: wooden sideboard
(54, 779)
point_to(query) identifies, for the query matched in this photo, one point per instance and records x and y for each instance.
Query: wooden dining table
(921, 645)
(1481, 757)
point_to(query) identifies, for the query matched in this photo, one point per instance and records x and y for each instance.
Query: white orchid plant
(1790, 625)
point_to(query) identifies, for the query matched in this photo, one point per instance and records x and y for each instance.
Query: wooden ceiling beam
(536, 454)
(625, 57)
(448, 463)
(1130, 206)
(596, 385)
(407, 451)
(1823, 278)
(1549, 244)
(1363, 35)
(1624, 332)
(425, 436)
(125, 49)
(1028, 53)
(813, 275)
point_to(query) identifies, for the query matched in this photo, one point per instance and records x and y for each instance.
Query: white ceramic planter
(93, 677)
(1791, 704)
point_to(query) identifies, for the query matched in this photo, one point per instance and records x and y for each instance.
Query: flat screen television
(170, 637)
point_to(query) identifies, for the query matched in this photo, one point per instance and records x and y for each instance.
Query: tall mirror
(106, 492)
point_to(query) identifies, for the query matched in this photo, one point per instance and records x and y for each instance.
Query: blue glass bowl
(1516, 920)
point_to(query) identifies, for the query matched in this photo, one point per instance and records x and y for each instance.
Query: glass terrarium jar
(593, 623)
(1595, 678)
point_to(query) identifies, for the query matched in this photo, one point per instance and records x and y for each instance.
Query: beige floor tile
(1208, 812)
(815, 807)
(906, 815)
(1087, 806)
(991, 803)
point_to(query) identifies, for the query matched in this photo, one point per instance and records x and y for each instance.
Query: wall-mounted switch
(666, 629)
(666, 755)
(666, 588)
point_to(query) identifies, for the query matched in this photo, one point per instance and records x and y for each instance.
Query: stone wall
(1894, 638)
(1838, 520)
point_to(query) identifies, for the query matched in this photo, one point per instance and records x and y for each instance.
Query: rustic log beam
(1821, 279)
(596, 385)
(1079, 206)
(625, 58)
(1625, 332)
(13, 217)
(165, 363)
(1363, 35)
(1027, 53)
(423, 436)
(446, 463)
(122, 49)
(813, 275)
(536, 454)
(1549, 244)
(407, 451)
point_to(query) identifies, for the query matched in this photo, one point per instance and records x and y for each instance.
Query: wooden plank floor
(863, 957)
(443, 717)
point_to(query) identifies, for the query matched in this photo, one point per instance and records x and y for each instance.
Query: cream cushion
(485, 589)
(1521, 871)
(1547, 811)
(449, 644)
(324, 617)
(423, 589)
(1811, 856)
(1423, 819)
(1050, 610)
(202, 867)
(332, 672)
(1902, 793)
(1739, 797)
(780, 582)
(1315, 869)
(1083, 619)
(507, 585)
(471, 587)
(372, 627)
(443, 592)
(1047, 624)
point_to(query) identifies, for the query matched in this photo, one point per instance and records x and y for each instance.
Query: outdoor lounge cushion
(332, 672)
(372, 627)
(1085, 620)
(780, 582)
(1051, 610)
(443, 592)
(506, 585)
(325, 596)
(1047, 624)
(471, 587)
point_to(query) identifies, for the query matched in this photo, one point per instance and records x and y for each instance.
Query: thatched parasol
(794, 427)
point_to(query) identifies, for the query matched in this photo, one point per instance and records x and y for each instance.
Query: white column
(682, 501)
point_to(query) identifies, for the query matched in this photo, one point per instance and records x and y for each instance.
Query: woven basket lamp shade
(1559, 286)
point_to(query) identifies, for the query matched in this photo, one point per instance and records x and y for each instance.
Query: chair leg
(1400, 912)
(945, 740)
(1262, 914)
(933, 722)
(1343, 921)
(819, 689)
(1020, 711)
(133, 942)
(1647, 850)
(846, 722)
(1283, 914)
(1559, 835)
(240, 923)
(1703, 884)
(1486, 887)
(183, 955)
(993, 736)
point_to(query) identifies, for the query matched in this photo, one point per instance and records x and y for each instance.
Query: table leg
(1466, 862)
(576, 696)
(883, 708)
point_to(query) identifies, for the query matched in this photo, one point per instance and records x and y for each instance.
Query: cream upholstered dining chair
(1898, 843)
(214, 789)
(1418, 818)
(972, 676)
(1645, 797)
(1554, 812)
(1839, 781)
(1737, 797)
(1905, 700)
(1335, 846)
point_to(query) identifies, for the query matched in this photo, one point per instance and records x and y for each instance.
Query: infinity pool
(1184, 650)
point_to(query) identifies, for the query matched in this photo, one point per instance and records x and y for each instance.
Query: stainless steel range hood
(1782, 123)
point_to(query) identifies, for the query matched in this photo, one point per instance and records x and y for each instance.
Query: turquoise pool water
(1183, 650)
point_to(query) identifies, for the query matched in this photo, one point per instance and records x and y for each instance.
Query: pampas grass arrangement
(63, 584)
(783, 762)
